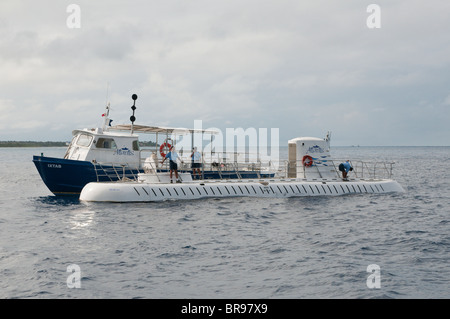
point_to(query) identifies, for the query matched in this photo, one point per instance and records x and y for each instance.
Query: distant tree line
(31, 144)
(147, 144)
(52, 144)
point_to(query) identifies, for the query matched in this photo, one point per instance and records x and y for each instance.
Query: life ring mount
(161, 148)
(307, 161)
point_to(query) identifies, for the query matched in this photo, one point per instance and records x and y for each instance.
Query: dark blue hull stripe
(68, 177)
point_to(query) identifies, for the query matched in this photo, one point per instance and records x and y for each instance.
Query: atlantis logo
(124, 151)
(315, 149)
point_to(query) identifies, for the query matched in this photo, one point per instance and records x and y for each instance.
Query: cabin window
(106, 143)
(135, 145)
(84, 140)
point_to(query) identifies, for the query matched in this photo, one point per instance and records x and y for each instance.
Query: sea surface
(234, 248)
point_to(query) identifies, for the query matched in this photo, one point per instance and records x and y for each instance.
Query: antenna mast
(132, 117)
(107, 105)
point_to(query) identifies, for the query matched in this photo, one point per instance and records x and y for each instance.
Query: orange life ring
(307, 161)
(162, 147)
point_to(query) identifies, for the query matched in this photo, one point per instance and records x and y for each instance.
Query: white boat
(310, 171)
(111, 153)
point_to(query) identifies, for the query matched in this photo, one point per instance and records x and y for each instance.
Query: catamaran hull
(151, 192)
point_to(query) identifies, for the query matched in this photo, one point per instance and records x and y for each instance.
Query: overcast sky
(305, 67)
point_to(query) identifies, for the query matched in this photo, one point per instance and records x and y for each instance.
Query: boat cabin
(309, 158)
(98, 146)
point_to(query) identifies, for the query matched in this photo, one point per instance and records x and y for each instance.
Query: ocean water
(233, 248)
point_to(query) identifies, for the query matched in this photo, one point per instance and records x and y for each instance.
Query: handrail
(112, 173)
(361, 169)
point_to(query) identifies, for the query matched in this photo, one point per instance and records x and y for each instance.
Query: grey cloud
(303, 66)
(96, 43)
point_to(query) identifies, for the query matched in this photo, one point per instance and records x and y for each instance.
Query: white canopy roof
(158, 129)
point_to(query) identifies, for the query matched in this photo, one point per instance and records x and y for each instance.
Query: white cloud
(303, 66)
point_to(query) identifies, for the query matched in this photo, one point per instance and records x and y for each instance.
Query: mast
(132, 117)
(107, 122)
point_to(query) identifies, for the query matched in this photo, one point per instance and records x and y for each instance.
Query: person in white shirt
(173, 166)
(196, 163)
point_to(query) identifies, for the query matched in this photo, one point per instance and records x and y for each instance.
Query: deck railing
(219, 163)
(115, 172)
(361, 169)
(226, 170)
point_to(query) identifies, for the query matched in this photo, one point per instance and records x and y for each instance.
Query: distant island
(52, 144)
(31, 144)
(147, 144)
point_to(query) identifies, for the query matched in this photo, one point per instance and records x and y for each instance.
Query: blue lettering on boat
(316, 149)
(124, 151)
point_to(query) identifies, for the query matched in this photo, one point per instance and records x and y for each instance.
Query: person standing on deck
(173, 166)
(196, 163)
